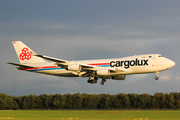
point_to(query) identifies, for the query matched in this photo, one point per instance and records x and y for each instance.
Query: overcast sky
(94, 29)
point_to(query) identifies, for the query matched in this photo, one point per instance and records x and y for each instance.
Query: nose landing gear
(156, 77)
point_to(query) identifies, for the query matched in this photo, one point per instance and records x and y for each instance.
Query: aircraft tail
(24, 53)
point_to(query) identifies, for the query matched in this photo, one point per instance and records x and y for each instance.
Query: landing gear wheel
(95, 78)
(95, 81)
(92, 81)
(102, 83)
(156, 78)
(89, 81)
(103, 80)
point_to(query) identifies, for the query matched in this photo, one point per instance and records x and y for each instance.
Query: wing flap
(87, 66)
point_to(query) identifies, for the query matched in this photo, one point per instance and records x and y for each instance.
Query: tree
(170, 101)
(59, 101)
(85, 100)
(2, 105)
(24, 103)
(158, 100)
(133, 100)
(124, 101)
(144, 101)
(7, 103)
(177, 100)
(31, 101)
(104, 102)
(69, 101)
(46, 101)
(93, 101)
(77, 101)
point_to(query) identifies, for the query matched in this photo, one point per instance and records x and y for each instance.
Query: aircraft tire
(95, 78)
(89, 81)
(104, 80)
(102, 83)
(95, 81)
(92, 81)
(156, 78)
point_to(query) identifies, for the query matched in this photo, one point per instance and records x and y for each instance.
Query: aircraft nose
(169, 63)
(172, 63)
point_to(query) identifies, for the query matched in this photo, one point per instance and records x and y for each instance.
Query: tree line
(90, 101)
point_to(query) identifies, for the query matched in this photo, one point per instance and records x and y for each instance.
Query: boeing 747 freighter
(114, 68)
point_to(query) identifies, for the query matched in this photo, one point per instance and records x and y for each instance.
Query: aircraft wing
(20, 65)
(85, 67)
(51, 58)
(62, 62)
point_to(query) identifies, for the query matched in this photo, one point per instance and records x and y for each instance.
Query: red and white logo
(25, 54)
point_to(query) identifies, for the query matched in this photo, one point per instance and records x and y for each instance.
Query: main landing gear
(93, 79)
(103, 80)
(156, 77)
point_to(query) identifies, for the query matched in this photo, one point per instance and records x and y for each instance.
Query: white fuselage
(114, 68)
(139, 64)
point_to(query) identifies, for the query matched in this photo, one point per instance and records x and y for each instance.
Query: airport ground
(90, 114)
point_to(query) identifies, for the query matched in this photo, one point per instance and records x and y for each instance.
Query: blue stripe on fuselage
(35, 70)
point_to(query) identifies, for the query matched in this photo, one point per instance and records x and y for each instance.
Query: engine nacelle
(119, 77)
(103, 72)
(73, 67)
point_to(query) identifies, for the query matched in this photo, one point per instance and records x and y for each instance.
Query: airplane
(114, 68)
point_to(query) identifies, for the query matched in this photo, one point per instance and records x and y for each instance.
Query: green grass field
(91, 114)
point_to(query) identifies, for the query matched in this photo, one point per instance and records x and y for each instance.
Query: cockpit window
(160, 56)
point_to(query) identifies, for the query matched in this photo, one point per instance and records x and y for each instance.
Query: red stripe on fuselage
(99, 64)
(57, 66)
(39, 68)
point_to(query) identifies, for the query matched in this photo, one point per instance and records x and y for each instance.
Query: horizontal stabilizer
(20, 65)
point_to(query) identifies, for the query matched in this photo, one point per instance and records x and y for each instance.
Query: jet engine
(103, 72)
(119, 77)
(73, 67)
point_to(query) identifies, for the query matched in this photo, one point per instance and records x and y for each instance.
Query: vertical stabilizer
(24, 53)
